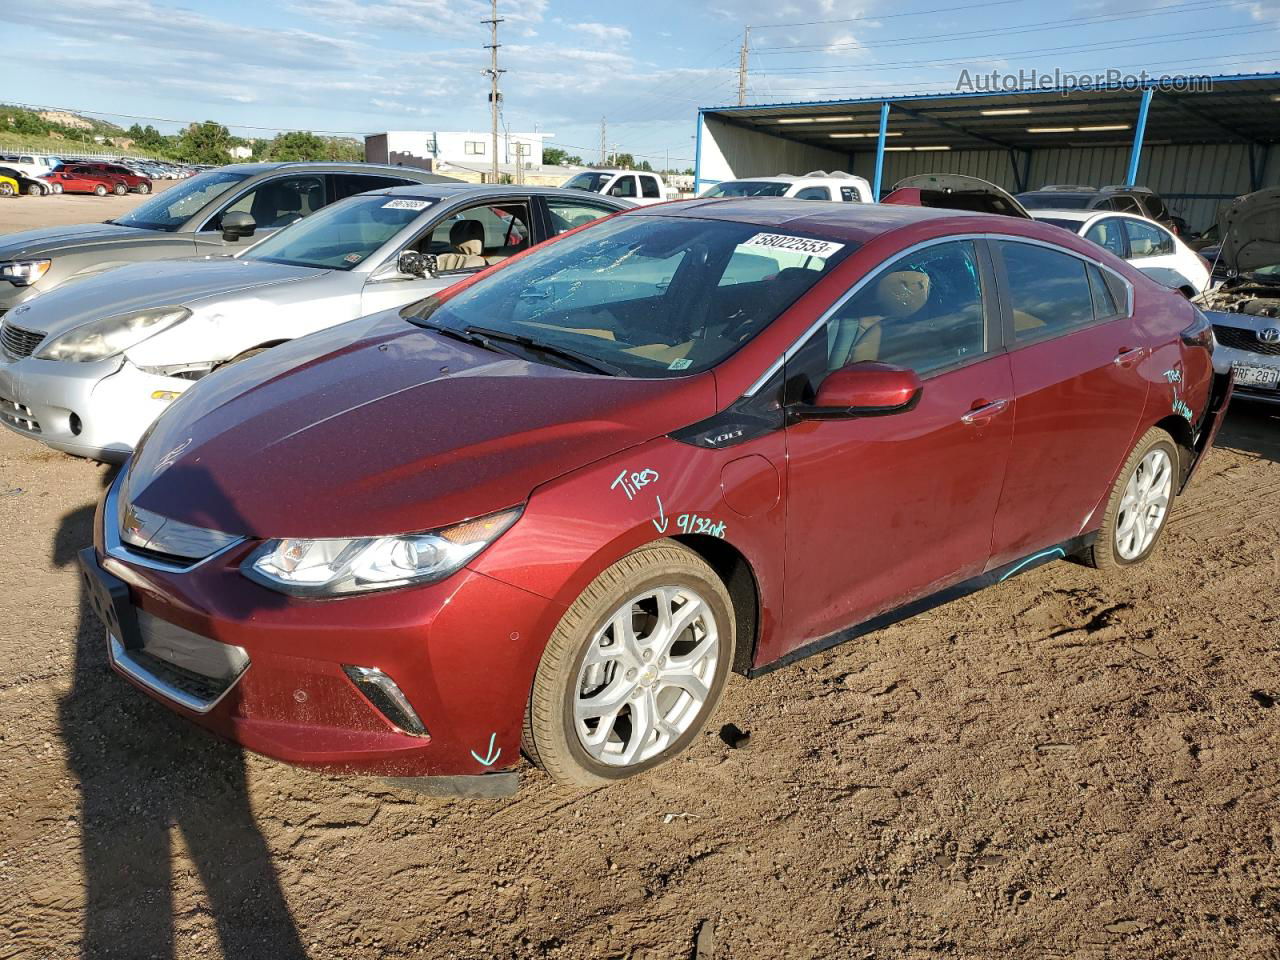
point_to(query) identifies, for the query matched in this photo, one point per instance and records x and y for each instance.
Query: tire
(663, 572)
(6, 190)
(57, 188)
(1154, 463)
(144, 188)
(120, 189)
(35, 191)
(100, 190)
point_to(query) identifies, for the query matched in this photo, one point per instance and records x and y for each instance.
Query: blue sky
(359, 66)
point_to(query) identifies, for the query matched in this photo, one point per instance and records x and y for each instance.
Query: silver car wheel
(1145, 504)
(646, 676)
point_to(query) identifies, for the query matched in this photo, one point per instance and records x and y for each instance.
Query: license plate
(1248, 375)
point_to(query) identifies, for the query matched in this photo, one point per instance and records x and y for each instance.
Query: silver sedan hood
(137, 286)
(49, 241)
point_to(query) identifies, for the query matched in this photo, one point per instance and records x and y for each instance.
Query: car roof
(854, 222)
(320, 166)
(446, 191)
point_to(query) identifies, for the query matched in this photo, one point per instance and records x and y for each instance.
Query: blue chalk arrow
(490, 758)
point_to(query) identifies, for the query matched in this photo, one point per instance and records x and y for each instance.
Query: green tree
(30, 123)
(624, 160)
(298, 145)
(207, 142)
(554, 156)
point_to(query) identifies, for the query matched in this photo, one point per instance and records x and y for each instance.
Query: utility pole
(742, 66)
(604, 151)
(493, 73)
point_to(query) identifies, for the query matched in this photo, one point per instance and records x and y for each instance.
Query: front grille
(18, 342)
(186, 667)
(1240, 339)
(18, 415)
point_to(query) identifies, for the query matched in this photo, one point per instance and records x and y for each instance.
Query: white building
(429, 149)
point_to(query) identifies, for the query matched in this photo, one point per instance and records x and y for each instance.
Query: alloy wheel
(1145, 504)
(646, 676)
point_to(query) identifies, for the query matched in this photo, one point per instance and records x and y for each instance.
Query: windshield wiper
(466, 336)
(591, 364)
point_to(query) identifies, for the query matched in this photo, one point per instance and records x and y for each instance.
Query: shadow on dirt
(1252, 428)
(143, 772)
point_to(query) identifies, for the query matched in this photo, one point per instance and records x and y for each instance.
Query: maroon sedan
(132, 180)
(81, 178)
(550, 509)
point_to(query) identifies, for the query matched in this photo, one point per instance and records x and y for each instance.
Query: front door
(1079, 396)
(273, 204)
(884, 510)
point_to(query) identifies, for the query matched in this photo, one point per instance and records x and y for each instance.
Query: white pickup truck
(639, 187)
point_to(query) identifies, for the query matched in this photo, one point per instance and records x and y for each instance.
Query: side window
(924, 311)
(650, 187)
(567, 214)
(278, 203)
(1048, 290)
(1127, 205)
(850, 195)
(349, 184)
(1155, 206)
(1109, 234)
(813, 193)
(478, 236)
(623, 187)
(1147, 240)
(1105, 305)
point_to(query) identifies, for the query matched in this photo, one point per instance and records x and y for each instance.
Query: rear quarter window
(1048, 290)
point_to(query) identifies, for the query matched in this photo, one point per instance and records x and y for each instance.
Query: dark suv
(1138, 200)
(186, 220)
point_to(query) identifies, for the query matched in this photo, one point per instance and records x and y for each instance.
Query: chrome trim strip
(379, 679)
(818, 324)
(141, 675)
(116, 549)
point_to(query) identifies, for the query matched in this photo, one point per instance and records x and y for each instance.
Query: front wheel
(57, 188)
(6, 190)
(120, 189)
(633, 670)
(1138, 508)
(144, 188)
(34, 190)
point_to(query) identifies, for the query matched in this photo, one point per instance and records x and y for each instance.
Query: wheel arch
(734, 570)
(1178, 428)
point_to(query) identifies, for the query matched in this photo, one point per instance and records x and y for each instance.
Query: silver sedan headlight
(107, 337)
(330, 568)
(23, 273)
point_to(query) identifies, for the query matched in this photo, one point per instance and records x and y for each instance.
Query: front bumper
(97, 410)
(463, 652)
(1227, 357)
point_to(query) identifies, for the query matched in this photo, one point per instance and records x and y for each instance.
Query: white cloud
(603, 32)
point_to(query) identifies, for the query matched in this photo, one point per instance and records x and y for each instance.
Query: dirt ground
(1061, 766)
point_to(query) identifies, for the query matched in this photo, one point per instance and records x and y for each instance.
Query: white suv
(639, 187)
(818, 185)
(32, 164)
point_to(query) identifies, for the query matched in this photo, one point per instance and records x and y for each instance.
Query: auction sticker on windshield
(780, 241)
(402, 204)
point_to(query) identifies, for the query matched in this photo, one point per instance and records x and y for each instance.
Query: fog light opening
(75, 425)
(381, 691)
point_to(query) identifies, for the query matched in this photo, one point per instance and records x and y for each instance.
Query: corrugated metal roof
(1242, 108)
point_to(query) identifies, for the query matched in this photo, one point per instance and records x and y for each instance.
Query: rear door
(883, 510)
(1079, 399)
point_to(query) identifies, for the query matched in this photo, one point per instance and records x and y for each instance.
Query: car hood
(48, 241)
(137, 286)
(380, 427)
(1250, 231)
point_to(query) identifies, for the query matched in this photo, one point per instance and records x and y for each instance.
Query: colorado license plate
(1248, 375)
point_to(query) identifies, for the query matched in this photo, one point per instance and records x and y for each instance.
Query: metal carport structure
(1197, 140)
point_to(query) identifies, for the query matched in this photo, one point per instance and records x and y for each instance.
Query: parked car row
(576, 461)
(43, 174)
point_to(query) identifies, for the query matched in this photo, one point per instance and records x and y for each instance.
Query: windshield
(653, 296)
(1054, 201)
(342, 235)
(591, 182)
(174, 207)
(748, 188)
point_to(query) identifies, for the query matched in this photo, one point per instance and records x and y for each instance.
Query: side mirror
(236, 225)
(865, 390)
(415, 264)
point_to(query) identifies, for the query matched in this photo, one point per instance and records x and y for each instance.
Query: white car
(34, 165)
(637, 186)
(1144, 243)
(819, 185)
(87, 366)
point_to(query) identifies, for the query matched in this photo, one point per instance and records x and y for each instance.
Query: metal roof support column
(697, 158)
(1020, 169)
(1139, 131)
(884, 128)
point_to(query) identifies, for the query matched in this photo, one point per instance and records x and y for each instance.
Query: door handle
(985, 411)
(1128, 356)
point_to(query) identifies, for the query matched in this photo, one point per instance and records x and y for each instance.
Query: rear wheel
(633, 670)
(57, 188)
(144, 188)
(6, 190)
(1138, 508)
(120, 189)
(100, 190)
(34, 190)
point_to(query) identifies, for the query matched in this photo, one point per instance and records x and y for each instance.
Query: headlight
(329, 568)
(24, 273)
(105, 338)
